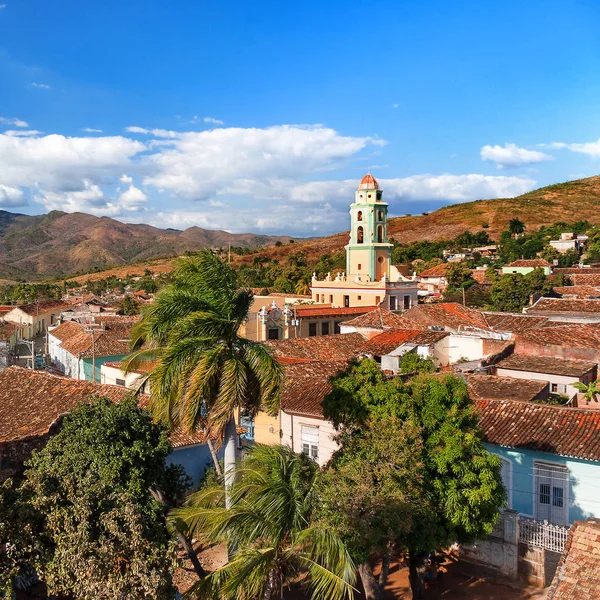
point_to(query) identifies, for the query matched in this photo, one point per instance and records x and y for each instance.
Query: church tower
(368, 253)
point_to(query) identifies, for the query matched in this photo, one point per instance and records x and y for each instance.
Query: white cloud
(22, 132)
(395, 105)
(42, 86)
(126, 179)
(213, 121)
(590, 148)
(133, 199)
(11, 196)
(91, 130)
(511, 155)
(161, 133)
(14, 122)
(200, 165)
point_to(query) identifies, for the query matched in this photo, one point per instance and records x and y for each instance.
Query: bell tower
(368, 253)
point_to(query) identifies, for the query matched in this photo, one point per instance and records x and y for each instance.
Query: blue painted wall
(584, 481)
(194, 459)
(100, 360)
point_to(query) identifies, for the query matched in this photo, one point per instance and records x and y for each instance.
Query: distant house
(569, 241)
(577, 291)
(79, 350)
(574, 310)
(433, 281)
(32, 320)
(494, 387)
(33, 403)
(526, 266)
(559, 373)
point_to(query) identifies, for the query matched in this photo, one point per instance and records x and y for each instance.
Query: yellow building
(370, 278)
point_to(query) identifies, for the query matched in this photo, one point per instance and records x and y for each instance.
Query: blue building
(550, 457)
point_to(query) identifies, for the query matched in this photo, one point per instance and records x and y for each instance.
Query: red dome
(368, 182)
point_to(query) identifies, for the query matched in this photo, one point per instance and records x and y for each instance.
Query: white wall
(110, 375)
(65, 361)
(455, 346)
(291, 427)
(560, 380)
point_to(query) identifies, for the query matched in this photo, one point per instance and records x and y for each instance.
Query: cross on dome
(368, 182)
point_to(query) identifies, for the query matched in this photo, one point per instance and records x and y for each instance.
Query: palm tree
(590, 390)
(269, 520)
(302, 287)
(202, 371)
(516, 226)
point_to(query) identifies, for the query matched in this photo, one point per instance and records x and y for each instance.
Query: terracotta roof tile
(577, 576)
(327, 311)
(306, 385)
(387, 342)
(31, 401)
(447, 314)
(513, 322)
(565, 305)
(583, 278)
(580, 291)
(547, 364)
(339, 347)
(556, 429)
(573, 335)
(380, 318)
(492, 387)
(35, 307)
(368, 182)
(437, 271)
(533, 262)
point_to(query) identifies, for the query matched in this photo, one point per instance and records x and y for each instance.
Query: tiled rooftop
(491, 387)
(437, 271)
(577, 576)
(387, 342)
(447, 314)
(339, 347)
(583, 278)
(565, 305)
(380, 318)
(571, 335)
(306, 385)
(546, 364)
(314, 310)
(532, 262)
(513, 322)
(580, 291)
(565, 431)
(35, 307)
(31, 401)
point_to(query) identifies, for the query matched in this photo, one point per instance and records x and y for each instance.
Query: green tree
(366, 494)
(203, 369)
(461, 489)
(129, 306)
(270, 521)
(510, 293)
(589, 390)
(411, 362)
(459, 276)
(92, 484)
(516, 226)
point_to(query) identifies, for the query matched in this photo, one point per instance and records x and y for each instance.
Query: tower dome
(368, 182)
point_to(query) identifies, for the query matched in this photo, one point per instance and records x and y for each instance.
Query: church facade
(370, 278)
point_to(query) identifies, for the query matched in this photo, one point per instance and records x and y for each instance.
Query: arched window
(380, 234)
(380, 215)
(359, 235)
(359, 215)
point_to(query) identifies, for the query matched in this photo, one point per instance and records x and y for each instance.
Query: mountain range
(64, 243)
(59, 243)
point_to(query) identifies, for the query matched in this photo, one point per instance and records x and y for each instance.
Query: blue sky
(264, 116)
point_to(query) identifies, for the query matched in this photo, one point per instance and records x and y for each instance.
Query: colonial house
(550, 457)
(572, 310)
(558, 373)
(526, 266)
(32, 320)
(569, 242)
(433, 281)
(577, 291)
(33, 403)
(79, 350)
